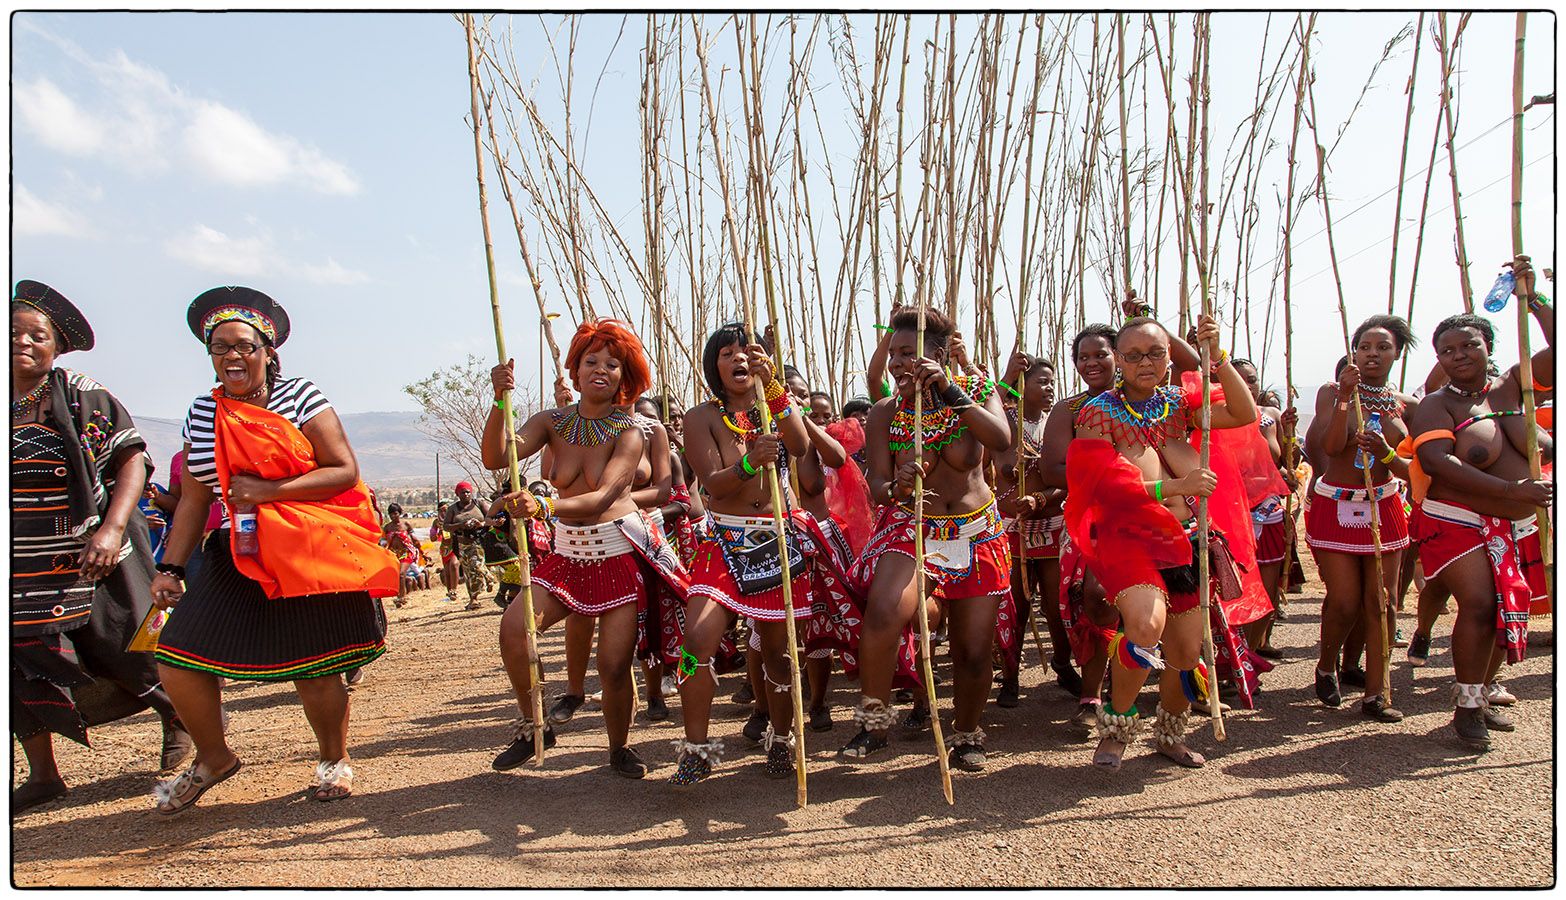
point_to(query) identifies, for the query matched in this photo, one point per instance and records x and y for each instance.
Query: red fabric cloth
(837, 610)
(1243, 464)
(1122, 534)
(1516, 565)
(847, 493)
(1336, 526)
(307, 547)
(1273, 544)
(684, 536)
(1087, 639)
(989, 572)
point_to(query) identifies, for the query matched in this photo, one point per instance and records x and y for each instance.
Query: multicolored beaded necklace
(939, 425)
(1151, 423)
(32, 399)
(580, 431)
(746, 424)
(1380, 399)
(1472, 395)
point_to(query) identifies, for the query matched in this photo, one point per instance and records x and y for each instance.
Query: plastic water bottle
(1372, 423)
(1500, 292)
(246, 541)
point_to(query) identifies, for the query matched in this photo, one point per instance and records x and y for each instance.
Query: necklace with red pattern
(746, 423)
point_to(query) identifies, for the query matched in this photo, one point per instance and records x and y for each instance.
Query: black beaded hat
(61, 313)
(237, 304)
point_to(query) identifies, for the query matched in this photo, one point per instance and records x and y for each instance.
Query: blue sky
(325, 159)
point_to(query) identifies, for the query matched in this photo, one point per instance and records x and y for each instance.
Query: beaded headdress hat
(61, 313)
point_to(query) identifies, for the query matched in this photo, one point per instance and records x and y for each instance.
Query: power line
(1367, 203)
(1443, 209)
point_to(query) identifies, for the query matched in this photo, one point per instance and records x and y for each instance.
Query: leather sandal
(182, 791)
(333, 781)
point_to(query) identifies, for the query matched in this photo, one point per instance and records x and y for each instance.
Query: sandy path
(1299, 794)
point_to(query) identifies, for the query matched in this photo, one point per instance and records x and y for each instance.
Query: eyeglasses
(1156, 356)
(245, 348)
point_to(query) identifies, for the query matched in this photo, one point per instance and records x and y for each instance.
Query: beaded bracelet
(546, 508)
(1539, 301)
(778, 403)
(171, 569)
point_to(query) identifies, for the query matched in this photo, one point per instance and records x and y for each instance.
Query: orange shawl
(307, 546)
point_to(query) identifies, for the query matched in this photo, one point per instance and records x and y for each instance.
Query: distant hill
(392, 451)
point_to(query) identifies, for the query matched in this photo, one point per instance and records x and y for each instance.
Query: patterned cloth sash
(750, 548)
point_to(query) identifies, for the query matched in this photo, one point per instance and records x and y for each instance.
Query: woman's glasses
(245, 348)
(1135, 358)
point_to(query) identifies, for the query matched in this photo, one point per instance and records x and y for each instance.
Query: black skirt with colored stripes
(226, 625)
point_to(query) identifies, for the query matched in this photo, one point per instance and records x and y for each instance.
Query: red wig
(623, 344)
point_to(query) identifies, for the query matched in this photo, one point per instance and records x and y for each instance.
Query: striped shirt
(295, 399)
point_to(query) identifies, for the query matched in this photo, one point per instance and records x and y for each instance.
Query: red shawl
(1242, 461)
(847, 493)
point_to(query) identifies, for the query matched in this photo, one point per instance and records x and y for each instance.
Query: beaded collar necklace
(580, 431)
(1472, 395)
(1032, 436)
(1379, 399)
(31, 400)
(938, 425)
(1151, 423)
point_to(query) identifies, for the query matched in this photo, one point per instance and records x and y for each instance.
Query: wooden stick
(1203, 524)
(1359, 410)
(518, 530)
(1419, 242)
(771, 471)
(1525, 359)
(1125, 168)
(1292, 450)
(922, 286)
(1402, 169)
(1448, 54)
(919, 579)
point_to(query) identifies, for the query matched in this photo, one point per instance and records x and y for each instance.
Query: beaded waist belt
(599, 541)
(1342, 493)
(961, 526)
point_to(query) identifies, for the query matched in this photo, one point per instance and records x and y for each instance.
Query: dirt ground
(1299, 794)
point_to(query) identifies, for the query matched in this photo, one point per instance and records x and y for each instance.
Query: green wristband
(745, 464)
(1158, 491)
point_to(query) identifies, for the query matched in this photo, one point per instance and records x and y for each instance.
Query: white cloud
(207, 248)
(31, 215)
(135, 117)
(55, 118)
(332, 273)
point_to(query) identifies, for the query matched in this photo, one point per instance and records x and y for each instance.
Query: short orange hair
(623, 344)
